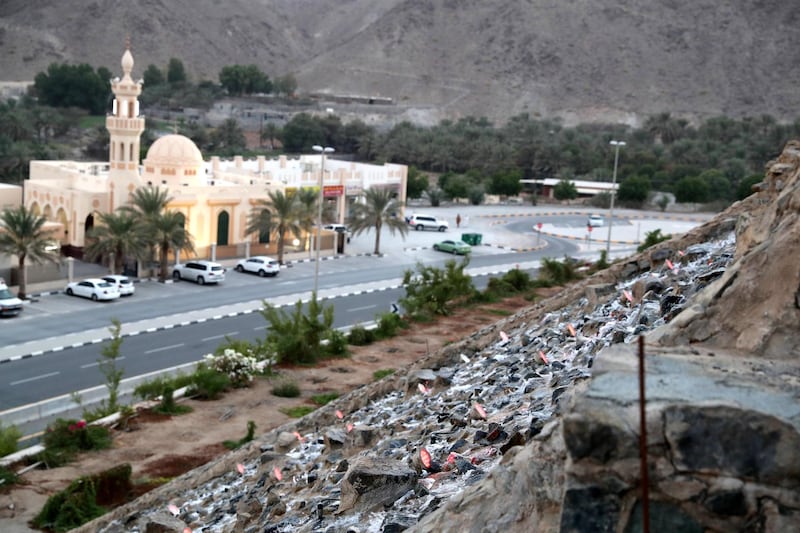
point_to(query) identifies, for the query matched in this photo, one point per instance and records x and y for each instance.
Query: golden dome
(175, 151)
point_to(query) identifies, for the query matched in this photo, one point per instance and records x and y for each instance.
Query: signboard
(332, 191)
(539, 226)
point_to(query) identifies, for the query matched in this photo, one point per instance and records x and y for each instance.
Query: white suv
(422, 222)
(10, 305)
(201, 272)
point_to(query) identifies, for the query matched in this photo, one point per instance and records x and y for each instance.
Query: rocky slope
(504, 431)
(581, 61)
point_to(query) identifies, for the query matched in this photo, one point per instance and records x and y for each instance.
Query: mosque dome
(174, 151)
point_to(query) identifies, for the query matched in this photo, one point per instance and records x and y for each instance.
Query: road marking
(154, 350)
(20, 382)
(353, 310)
(231, 334)
(97, 363)
(257, 328)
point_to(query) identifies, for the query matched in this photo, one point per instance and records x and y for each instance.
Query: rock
(372, 482)
(664, 516)
(161, 522)
(286, 440)
(589, 509)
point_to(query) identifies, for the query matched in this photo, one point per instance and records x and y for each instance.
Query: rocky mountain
(533, 423)
(577, 60)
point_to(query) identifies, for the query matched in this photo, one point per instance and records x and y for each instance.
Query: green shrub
(435, 291)
(251, 431)
(167, 406)
(602, 263)
(651, 238)
(389, 324)
(207, 383)
(337, 344)
(297, 412)
(154, 388)
(7, 477)
(286, 388)
(518, 279)
(498, 288)
(558, 272)
(65, 438)
(380, 374)
(324, 398)
(296, 337)
(360, 336)
(240, 368)
(9, 436)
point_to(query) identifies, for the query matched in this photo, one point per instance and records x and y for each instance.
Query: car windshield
(5, 294)
(216, 268)
(104, 284)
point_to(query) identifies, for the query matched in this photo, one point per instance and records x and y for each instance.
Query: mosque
(214, 196)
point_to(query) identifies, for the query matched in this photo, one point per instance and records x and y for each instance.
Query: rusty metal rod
(643, 443)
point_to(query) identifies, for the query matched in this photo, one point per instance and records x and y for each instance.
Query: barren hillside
(581, 61)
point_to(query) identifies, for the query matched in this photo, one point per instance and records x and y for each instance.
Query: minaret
(125, 128)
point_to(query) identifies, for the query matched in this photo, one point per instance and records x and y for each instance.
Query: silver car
(201, 272)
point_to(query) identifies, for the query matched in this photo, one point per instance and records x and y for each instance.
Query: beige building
(215, 196)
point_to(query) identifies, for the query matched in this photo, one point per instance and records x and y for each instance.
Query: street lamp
(616, 145)
(322, 151)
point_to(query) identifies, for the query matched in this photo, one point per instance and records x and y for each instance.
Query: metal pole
(643, 442)
(616, 145)
(320, 200)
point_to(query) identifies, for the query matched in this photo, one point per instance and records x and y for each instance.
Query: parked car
(259, 264)
(422, 222)
(10, 305)
(338, 228)
(595, 221)
(93, 288)
(453, 247)
(123, 284)
(201, 272)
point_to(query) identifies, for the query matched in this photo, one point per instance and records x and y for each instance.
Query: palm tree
(278, 214)
(23, 235)
(170, 234)
(120, 234)
(308, 205)
(379, 208)
(147, 204)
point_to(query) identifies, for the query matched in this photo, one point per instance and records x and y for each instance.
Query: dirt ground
(161, 447)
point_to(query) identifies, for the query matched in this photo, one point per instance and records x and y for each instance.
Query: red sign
(589, 228)
(539, 225)
(331, 191)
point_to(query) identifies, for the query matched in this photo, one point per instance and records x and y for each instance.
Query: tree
(278, 214)
(228, 139)
(565, 190)
(691, 189)
(506, 183)
(176, 73)
(23, 235)
(745, 187)
(302, 132)
(240, 79)
(169, 233)
(416, 183)
(119, 235)
(286, 85)
(108, 367)
(153, 76)
(634, 189)
(146, 204)
(73, 86)
(380, 208)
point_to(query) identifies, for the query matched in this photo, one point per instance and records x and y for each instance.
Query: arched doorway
(223, 221)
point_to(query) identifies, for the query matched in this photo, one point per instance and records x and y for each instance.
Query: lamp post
(320, 200)
(616, 145)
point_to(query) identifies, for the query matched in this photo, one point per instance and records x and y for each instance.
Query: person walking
(458, 220)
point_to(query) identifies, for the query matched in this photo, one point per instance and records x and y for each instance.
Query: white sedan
(94, 288)
(123, 284)
(259, 264)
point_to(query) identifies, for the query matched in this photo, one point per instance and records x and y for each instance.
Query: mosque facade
(215, 196)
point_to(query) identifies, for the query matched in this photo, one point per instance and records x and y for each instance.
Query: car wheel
(201, 280)
(436, 247)
(419, 227)
(442, 228)
(176, 276)
(261, 273)
(69, 292)
(94, 297)
(239, 268)
(454, 251)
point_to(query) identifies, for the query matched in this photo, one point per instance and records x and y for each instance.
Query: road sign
(395, 309)
(539, 225)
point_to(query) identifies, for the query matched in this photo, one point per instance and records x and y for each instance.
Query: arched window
(222, 228)
(88, 224)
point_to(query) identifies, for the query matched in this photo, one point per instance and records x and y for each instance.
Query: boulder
(371, 483)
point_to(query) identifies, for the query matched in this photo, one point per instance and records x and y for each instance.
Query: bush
(652, 238)
(518, 279)
(389, 324)
(297, 412)
(296, 337)
(382, 373)
(558, 273)
(9, 436)
(240, 368)
(154, 389)
(433, 291)
(207, 383)
(337, 344)
(65, 438)
(251, 431)
(7, 477)
(324, 398)
(168, 405)
(360, 336)
(286, 388)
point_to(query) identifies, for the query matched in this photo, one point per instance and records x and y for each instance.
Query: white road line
(154, 350)
(231, 334)
(20, 382)
(353, 310)
(96, 364)
(257, 328)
